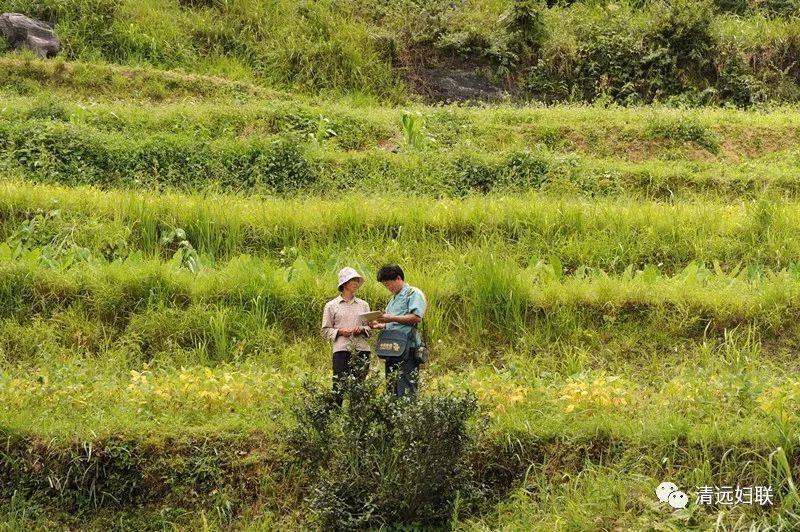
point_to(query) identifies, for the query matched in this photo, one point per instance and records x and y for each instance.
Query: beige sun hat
(347, 273)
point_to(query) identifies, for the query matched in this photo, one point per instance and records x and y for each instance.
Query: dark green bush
(283, 167)
(524, 33)
(616, 60)
(384, 461)
(684, 30)
(684, 129)
(743, 89)
(538, 83)
(613, 62)
(525, 22)
(779, 8)
(471, 174)
(526, 170)
(739, 7)
(47, 108)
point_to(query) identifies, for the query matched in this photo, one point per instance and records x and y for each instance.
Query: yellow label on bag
(390, 346)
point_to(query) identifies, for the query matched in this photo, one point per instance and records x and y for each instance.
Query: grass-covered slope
(715, 51)
(69, 128)
(611, 342)
(618, 286)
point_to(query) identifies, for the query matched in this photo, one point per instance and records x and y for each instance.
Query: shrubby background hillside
(691, 52)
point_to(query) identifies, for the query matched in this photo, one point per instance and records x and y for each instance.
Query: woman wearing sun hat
(342, 325)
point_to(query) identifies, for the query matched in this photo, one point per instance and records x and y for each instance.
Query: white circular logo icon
(678, 499)
(664, 489)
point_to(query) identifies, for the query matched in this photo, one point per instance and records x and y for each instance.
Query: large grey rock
(21, 31)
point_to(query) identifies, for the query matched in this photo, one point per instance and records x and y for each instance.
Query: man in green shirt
(405, 311)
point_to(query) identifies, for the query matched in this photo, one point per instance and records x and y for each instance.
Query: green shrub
(176, 160)
(524, 31)
(612, 63)
(47, 108)
(683, 29)
(385, 461)
(613, 57)
(739, 7)
(779, 8)
(284, 167)
(525, 22)
(56, 151)
(66, 153)
(526, 170)
(737, 84)
(471, 174)
(684, 129)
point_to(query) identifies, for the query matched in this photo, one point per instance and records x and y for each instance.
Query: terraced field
(618, 286)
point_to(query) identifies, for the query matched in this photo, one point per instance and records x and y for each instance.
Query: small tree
(382, 460)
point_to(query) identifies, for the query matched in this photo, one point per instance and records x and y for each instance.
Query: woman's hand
(353, 331)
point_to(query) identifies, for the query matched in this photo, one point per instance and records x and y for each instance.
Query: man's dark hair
(390, 272)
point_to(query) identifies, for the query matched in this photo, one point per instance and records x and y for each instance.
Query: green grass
(468, 289)
(585, 235)
(375, 51)
(116, 423)
(283, 145)
(618, 286)
(302, 46)
(107, 339)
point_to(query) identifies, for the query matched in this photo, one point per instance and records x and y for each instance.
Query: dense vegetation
(710, 52)
(613, 288)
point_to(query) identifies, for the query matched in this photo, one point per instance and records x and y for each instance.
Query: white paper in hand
(370, 316)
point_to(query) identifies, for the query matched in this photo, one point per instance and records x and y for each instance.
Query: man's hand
(405, 319)
(345, 332)
(385, 318)
(377, 325)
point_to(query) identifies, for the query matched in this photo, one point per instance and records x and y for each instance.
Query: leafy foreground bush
(381, 460)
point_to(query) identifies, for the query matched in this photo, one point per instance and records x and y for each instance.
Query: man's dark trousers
(402, 375)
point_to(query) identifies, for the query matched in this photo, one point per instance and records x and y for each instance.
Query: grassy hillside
(120, 362)
(205, 134)
(722, 51)
(617, 286)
